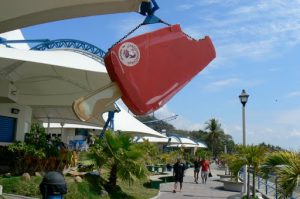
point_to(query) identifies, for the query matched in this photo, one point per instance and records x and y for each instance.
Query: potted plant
(235, 163)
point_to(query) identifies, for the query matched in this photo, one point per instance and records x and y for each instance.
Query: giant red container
(153, 67)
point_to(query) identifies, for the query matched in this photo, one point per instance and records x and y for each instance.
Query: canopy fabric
(51, 77)
(158, 140)
(70, 126)
(183, 145)
(187, 141)
(15, 35)
(201, 145)
(186, 145)
(15, 14)
(59, 114)
(132, 125)
(123, 121)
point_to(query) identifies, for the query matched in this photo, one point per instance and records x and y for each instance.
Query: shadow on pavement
(236, 196)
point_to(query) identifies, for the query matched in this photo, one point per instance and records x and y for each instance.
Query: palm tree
(215, 134)
(254, 157)
(286, 165)
(119, 154)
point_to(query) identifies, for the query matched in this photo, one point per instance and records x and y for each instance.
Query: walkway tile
(212, 189)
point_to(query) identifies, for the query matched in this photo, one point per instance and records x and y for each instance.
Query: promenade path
(212, 189)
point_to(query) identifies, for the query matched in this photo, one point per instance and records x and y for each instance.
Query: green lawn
(90, 188)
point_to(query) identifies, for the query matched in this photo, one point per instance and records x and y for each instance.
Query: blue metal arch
(71, 44)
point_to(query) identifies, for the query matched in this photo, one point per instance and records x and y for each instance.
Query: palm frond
(286, 165)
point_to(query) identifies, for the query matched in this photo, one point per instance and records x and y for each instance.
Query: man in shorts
(205, 169)
(178, 173)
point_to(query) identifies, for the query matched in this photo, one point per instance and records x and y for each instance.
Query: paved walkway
(212, 189)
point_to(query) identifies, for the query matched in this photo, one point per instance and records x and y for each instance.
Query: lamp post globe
(243, 97)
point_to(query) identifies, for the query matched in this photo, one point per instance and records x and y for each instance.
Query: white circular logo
(129, 54)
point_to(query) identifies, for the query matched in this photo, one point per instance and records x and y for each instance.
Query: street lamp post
(244, 98)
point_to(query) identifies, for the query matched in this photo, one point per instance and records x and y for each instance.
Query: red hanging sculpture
(151, 68)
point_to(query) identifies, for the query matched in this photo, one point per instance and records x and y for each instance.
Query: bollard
(53, 186)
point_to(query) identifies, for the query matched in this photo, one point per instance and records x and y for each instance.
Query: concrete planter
(232, 185)
(224, 177)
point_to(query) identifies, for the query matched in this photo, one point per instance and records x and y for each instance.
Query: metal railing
(269, 186)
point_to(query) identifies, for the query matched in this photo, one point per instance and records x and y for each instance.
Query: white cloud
(289, 117)
(257, 30)
(280, 129)
(294, 94)
(180, 122)
(295, 133)
(211, 2)
(184, 7)
(217, 85)
(226, 82)
(128, 24)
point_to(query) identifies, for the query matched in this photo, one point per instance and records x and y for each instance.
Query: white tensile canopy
(158, 140)
(15, 14)
(70, 126)
(49, 82)
(51, 77)
(174, 142)
(188, 143)
(123, 121)
(201, 145)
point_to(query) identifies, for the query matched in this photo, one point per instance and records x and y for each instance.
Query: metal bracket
(148, 9)
(151, 19)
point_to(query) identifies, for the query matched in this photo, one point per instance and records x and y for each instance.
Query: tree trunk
(112, 180)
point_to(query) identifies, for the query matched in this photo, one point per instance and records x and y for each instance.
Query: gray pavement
(212, 189)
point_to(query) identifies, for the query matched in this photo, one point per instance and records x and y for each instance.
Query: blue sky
(257, 45)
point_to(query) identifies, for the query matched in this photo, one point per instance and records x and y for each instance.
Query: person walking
(205, 169)
(196, 169)
(178, 174)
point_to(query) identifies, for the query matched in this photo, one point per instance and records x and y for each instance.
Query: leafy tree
(199, 135)
(216, 145)
(37, 152)
(271, 147)
(150, 151)
(119, 154)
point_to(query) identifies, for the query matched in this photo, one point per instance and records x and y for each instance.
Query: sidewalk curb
(155, 197)
(16, 196)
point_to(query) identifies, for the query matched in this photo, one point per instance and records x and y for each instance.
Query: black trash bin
(53, 186)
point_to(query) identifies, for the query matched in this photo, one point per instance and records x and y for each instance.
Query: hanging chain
(137, 27)
(125, 36)
(166, 23)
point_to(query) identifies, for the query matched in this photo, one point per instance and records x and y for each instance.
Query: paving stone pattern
(212, 189)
